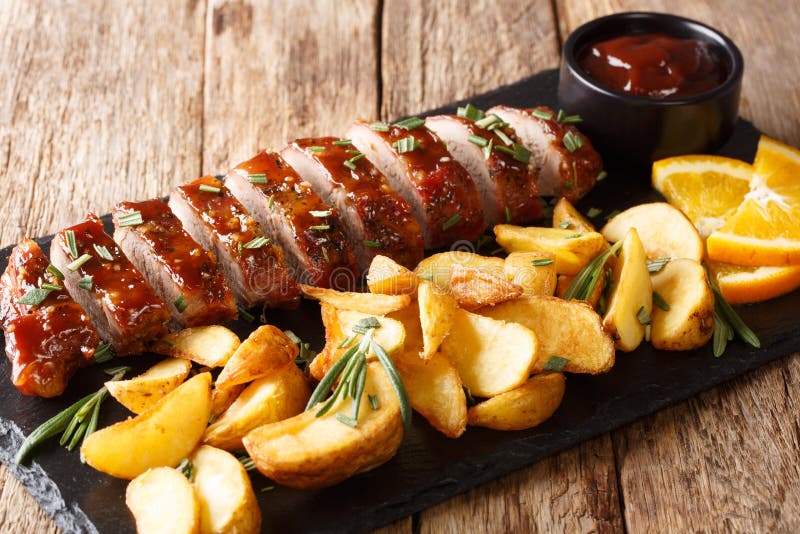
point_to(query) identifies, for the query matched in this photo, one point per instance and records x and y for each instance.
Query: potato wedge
(211, 346)
(142, 392)
(631, 298)
(531, 272)
(162, 500)
(221, 399)
(689, 322)
(265, 351)
(569, 329)
(474, 289)
(388, 277)
(491, 356)
(307, 451)
(281, 395)
(436, 311)
(664, 230)
(226, 497)
(372, 303)
(571, 250)
(565, 215)
(564, 281)
(523, 407)
(434, 390)
(436, 268)
(161, 436)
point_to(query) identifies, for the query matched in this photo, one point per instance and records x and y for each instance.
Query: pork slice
(122, 306)
(310, 232)
(562, 168)
(442, 196)
(376, 218)
(253, 264)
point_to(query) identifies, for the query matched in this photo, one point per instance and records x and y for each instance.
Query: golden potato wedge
(532, 272)
(307, 451)
(281, 395)
(265, 351)
(162, 500)
(631, 298)
(491, 356)
(689, 322)
(410, 319)
(388, 277)
(339, 327)
(161, 436)
(142, 392)
(372, 303)
(226, 497)
(523, 407)
(434, 390)
(565, 215)
(221, 399)
(664, 230)
(211, 346)
(571, 250)
(474, 289)
(436, 268)
(436, 311)
(569, 329)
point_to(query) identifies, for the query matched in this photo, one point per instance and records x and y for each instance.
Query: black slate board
(429, 468)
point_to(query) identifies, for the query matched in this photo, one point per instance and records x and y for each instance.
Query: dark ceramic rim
(702, 31)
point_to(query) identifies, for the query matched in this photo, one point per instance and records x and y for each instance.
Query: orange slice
(742, 285)
(765, 229)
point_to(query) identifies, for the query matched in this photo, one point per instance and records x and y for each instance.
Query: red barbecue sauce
(654, 65)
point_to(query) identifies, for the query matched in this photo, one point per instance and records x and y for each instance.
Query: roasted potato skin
(371, 303)
(436, 268)
(142, 392)
(388, 277)
(210, 346)
(264, 352)
(533, 279)
(475, 289)
(436, 311)
(524, 407)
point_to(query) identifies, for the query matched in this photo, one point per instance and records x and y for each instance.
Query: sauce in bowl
(654, 65)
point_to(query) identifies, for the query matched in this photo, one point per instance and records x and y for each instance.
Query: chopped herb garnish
(209, 188)
(470, 112)
(246, 315)
(103, 252)
(357, 155)
(246, 462)
(320, 213)
(349, 421)
(325, 254)
(75, 265)
(410, 123)
(572, 141)
(52, 287)
(519, 152)
(555, 363)
(507, 213)
(86, 283)
(585, 282)
(468, 395)
(659, 301)
(563, 118)
(564, 224)
(643, 316)
(34, 297)
(257, 178)
(487, 121)
(317, 149)
(487, 150)
(406, 144)
(52, 269)
(544, 115)
(180, 304)
(379, 127)
(478, 140)
(320, 227)
(372, 244)
(601, 176)
(657, 264)
(265, 489)
(342, 142)
(452, 221)
(373, 402)
(574, 236)
(271, 201)
(187, 468)
(72, 244)
(504, 138)
(103, 352)
(612, 215)
(130, 219)
(256, 242)
(540, 262)
(593, 212)
(349, 164)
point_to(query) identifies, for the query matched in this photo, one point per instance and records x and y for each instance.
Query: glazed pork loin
(376, 218)
(564, 160)
(442, 196)
(310, 233)
(182, 273)
(253, 264)
(123, 307)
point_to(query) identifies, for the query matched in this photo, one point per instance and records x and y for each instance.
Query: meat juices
(182, 273)
(441, 193)
(253, 264)
(123, 307)
(310, 233)
(376, 218)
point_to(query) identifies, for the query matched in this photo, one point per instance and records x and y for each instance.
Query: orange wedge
(707, 189)
(765, 229)
(742, 285)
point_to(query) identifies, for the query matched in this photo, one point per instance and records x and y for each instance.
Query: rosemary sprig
(305, 356)
(586, 281)
(187, 468)
(727, 322)
(246, 462)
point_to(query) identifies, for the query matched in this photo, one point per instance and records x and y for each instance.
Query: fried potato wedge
(523, 407)
(532, 272)
(571, 250)
(211, 346)
(436, 268)
(307, 451)
(566, 216)
(161, 436)
(631, 295)
(226, 497)
(281, 395)
(569, 329)
(388, 277)
(142, 392)
(221, 399)
(434, 390)
(265, 351)
(162, 500)
(689, 321)
(474, 289)
(664, 230)
(491, 356)
(436, 311)
(372, 303)
(339, 327)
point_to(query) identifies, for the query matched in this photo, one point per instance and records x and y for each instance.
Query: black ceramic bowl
(633, 130)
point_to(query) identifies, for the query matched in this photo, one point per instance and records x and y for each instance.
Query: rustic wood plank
(19, 512)
(276, 71)
(430, 56)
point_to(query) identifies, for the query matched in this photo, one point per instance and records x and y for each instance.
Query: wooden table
(104, 100)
